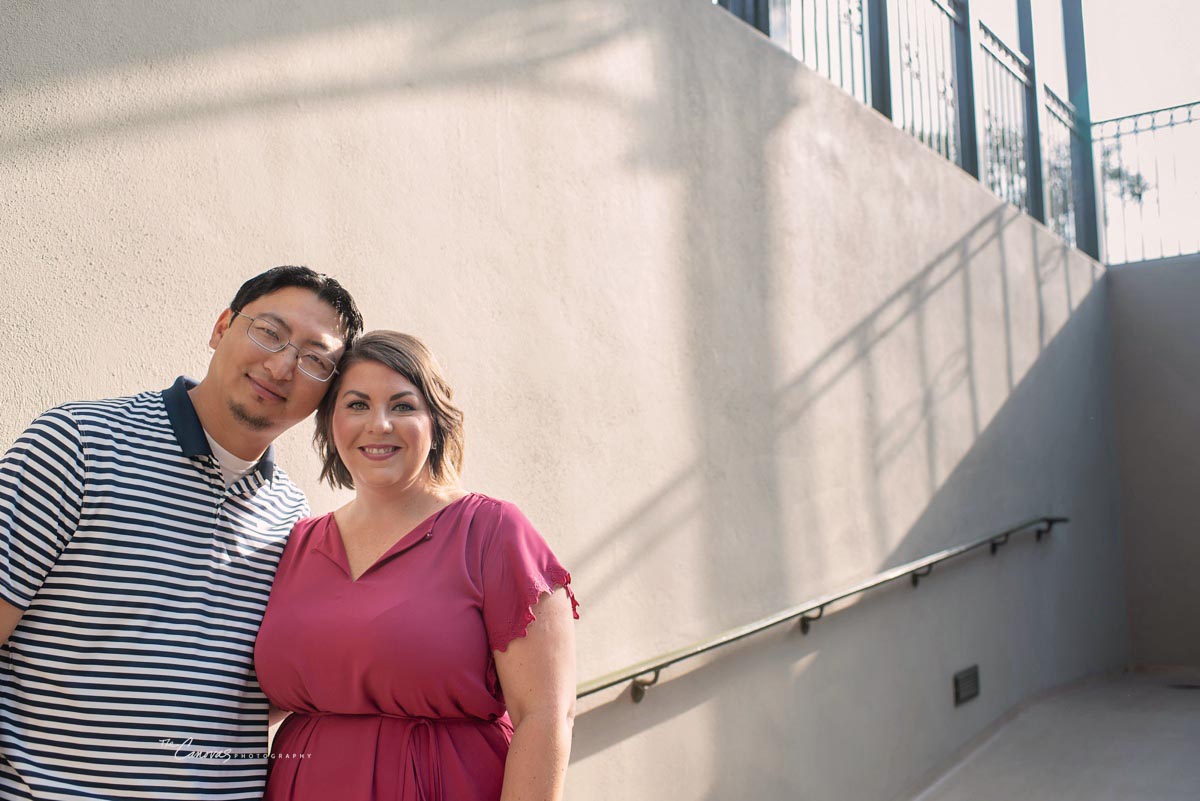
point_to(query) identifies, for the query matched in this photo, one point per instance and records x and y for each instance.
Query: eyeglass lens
(268, 337)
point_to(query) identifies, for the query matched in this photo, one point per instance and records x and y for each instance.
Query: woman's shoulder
(307, 533)
(307, 527)
(493, 513)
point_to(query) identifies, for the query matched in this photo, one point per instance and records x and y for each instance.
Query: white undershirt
(232, 467)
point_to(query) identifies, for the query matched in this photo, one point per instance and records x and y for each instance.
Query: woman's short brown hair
(409, 357)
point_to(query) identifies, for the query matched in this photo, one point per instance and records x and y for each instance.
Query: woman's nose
(380, 422)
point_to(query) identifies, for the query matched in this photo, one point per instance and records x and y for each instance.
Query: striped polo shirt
(143, 580)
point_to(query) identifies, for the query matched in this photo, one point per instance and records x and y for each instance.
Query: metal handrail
(951, 8)
(1005, 54)
(1144, 113)
(916, 570)
(1062, 110)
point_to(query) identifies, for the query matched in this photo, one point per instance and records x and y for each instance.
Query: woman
(402, 626)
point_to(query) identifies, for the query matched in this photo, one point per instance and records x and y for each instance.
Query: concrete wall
(730, 338)
(1157, 372)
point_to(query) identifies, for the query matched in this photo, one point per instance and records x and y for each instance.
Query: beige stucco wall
(1157, 371)
(729, 338)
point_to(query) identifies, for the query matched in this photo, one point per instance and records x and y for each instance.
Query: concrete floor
(1129, 737)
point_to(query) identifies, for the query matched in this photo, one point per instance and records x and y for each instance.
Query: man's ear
(220, 328)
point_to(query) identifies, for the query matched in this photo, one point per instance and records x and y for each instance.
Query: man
(138, 540)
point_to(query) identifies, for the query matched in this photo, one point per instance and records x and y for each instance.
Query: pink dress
(390, 679)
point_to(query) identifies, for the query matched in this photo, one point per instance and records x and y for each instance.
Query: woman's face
(382, 427)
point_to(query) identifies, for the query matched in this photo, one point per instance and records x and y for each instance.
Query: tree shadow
(515, 43)
(785, 707)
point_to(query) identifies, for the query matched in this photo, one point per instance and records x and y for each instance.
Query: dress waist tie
(420, 747)
(422, 750)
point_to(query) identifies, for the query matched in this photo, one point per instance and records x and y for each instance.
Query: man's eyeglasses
(268, 337)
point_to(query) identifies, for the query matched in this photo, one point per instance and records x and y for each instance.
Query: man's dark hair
(326, 288)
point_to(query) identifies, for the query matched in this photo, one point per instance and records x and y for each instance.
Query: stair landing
(1127, 737)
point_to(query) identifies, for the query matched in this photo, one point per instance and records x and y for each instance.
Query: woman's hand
(275, 715)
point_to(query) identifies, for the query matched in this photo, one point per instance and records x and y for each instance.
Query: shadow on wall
(898, 418)
(499, 42)
(138, 70)
(801, 711)
(1033, 466)
(1157, 379)
(748, 414)
(522, 43)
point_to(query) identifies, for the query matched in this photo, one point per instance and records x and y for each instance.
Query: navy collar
(189, 432)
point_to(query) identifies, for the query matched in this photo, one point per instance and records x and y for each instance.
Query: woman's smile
(378, 452)
(382, 427)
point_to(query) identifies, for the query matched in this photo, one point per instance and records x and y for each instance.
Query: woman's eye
(356, 405)
(403, 407)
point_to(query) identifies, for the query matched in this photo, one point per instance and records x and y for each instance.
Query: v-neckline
(396, 548)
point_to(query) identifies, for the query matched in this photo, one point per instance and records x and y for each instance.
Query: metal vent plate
(966, 685)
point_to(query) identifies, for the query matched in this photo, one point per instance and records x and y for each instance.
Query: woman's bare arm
(537, 673)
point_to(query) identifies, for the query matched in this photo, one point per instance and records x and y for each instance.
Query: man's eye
(269, 333)
(315, 360)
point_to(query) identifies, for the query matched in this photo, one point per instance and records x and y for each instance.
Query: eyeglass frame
(287, 344)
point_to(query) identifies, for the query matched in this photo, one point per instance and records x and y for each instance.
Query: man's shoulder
(135, 410)
(108, 425)
(282, 483)
(75, 419)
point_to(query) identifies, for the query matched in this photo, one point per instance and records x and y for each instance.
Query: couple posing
(417, 642)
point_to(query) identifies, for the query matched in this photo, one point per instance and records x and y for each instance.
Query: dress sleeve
(518, 566)
(41, 492)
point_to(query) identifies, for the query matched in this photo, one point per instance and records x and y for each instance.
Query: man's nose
(282, 364)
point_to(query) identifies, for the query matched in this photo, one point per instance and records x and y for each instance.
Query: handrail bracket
(806, 619)
(638, 688)
(921, 573)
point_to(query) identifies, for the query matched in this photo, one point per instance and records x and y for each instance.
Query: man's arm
(41, 498)
(9, 617)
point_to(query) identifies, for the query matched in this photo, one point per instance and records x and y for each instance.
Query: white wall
(730, 339)
(1157, 372)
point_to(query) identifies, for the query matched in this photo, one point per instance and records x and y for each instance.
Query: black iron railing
(1062, 141)
(928, 35)
(1001, 92)
(1150, 183)
(941, 74)
(830, 37)
(645, 674)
